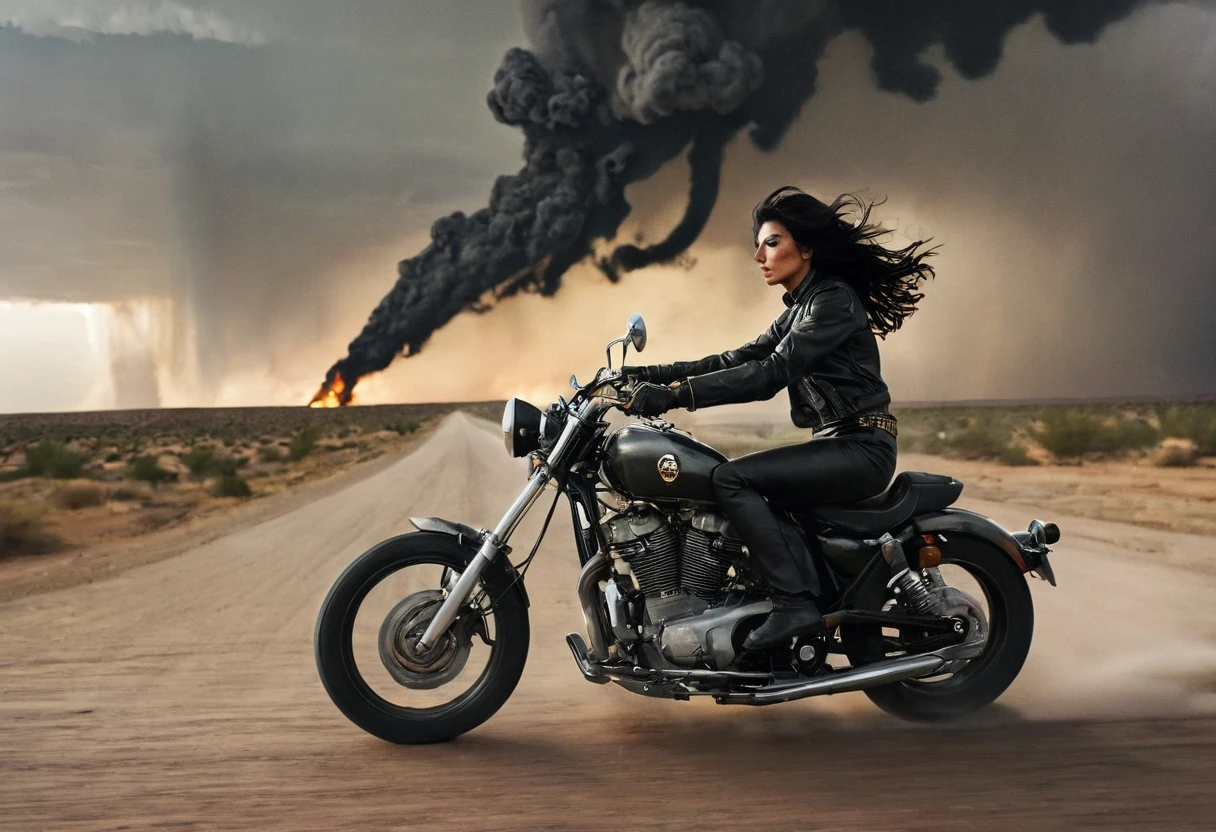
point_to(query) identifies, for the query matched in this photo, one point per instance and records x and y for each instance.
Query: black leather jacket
(821, 349)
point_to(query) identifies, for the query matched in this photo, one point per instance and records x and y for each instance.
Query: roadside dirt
(183, 694)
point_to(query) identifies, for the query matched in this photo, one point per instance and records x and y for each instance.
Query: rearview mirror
(637, 332)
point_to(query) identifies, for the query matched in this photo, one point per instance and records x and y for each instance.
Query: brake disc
(404, 625)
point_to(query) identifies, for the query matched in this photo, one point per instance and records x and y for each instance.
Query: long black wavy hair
(885, 279)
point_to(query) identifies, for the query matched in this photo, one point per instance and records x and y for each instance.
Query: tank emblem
(669, 468)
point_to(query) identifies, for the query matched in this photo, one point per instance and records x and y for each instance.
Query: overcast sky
(266, 164)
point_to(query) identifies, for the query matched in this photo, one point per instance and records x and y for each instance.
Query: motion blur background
(200, 203)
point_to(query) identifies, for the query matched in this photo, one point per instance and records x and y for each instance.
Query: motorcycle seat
(911, 494)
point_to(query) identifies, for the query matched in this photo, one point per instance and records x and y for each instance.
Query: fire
(331, 395)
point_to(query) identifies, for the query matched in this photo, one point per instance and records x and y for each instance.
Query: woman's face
(782, 261)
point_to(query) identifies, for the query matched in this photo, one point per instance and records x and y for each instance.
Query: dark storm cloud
(681, 77)
(234, 176)
(237, 173)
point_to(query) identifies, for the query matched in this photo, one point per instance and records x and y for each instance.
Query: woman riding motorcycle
(841, 289)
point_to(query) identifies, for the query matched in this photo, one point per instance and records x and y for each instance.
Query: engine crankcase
(708, 637)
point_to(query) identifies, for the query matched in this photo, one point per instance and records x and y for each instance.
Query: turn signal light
(930, 556)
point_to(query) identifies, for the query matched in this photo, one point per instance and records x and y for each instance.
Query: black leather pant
(836, 469)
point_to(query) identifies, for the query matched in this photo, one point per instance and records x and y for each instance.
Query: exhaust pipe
(869, 676)
(589, 579)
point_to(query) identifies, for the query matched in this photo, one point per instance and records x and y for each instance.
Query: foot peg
(578, 646)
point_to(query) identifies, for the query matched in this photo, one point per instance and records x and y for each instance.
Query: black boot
(791, 616)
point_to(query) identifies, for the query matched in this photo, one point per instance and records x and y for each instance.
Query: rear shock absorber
(916, 594)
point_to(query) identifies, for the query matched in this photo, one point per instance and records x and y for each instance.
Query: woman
(841, 289)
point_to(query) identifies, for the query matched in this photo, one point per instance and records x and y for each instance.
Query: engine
(680, 564)
(669, 558)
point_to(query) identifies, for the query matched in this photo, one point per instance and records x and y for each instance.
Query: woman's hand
(636, 373)
(652, 400)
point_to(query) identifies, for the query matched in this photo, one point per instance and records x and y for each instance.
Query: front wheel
(978, 576)
(368, 624)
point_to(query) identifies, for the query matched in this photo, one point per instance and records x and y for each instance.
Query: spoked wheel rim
(379, 645)
(984, 610)
(980, 589)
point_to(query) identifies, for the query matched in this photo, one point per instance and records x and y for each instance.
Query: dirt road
(183, 694)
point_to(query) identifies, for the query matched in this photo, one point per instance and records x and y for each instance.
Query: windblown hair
(885, 279)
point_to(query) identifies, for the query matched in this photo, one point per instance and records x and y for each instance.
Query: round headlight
(520, 428)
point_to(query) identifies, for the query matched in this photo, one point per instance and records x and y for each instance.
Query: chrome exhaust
(860, 678)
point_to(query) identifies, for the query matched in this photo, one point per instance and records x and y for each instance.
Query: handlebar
(605, 377)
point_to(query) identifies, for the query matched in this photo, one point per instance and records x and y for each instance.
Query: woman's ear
(806, 253)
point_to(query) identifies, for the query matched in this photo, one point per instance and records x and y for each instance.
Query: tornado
(612, 90)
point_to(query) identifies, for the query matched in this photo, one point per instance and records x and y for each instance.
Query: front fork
(491, 547)
(495, 542)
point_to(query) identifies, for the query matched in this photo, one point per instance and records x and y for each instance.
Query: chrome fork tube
(491, 546)
(494, 542)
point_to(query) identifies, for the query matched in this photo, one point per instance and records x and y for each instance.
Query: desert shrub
(54, 459)
(114, 456)
(1070, 432)
(270, 453)
(200, 460)
(14, 475)
(1175, 452)
(981, 438)
(1196, 422)
(264, 440)
(123, 494)
(230, 485)
(304, 443)
(79, 494)
(147, 469)
(403, 427)
(1016, 455)
(22, 530)
(203, 462)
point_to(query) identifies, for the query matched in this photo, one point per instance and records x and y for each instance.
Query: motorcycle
(927, 610)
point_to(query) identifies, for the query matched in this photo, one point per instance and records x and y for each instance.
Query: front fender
(976, 525)
(471, 539)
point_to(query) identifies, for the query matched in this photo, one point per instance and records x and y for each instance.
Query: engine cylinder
(652, 549)
(704, 565)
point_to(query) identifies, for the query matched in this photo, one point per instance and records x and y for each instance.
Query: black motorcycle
(927, 610)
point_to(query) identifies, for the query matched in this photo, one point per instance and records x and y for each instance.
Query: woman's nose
(759, 255)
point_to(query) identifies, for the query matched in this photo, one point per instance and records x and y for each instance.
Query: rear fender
(471, 539)
(969, 523)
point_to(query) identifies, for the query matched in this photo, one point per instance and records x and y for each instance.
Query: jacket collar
(797, 296)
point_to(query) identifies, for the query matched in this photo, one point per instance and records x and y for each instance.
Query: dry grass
(1174, 452)
(23, 529)
(128, 473)
(80, 494)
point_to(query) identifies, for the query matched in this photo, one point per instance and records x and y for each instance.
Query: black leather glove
(652, 400)
(637, 373)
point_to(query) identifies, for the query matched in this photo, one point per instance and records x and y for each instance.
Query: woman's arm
(756, 350)
(835, 314)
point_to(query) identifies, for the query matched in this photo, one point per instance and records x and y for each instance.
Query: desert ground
(182, 692)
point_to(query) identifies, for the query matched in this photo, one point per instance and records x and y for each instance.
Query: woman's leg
(836, 469)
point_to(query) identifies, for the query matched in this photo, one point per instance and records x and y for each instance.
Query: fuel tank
(647, 463)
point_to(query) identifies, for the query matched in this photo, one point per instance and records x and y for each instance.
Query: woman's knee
(727, 479)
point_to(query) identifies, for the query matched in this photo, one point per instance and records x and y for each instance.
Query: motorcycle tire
(986, 677)
(386, 720)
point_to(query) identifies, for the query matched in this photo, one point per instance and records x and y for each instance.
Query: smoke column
(612, 90)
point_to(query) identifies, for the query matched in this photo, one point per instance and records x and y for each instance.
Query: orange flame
(330, 395)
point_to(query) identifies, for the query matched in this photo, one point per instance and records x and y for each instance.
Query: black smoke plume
(614, 89)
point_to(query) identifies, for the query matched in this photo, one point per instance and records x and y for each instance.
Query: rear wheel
(366, 635)
(991, 591)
